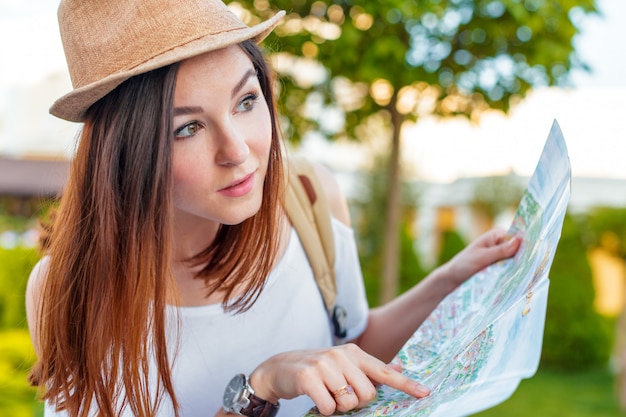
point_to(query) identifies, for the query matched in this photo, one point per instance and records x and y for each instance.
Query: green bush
(575, 336)
(17, 397)
(15, 266)
(451, 244)
(411, 270)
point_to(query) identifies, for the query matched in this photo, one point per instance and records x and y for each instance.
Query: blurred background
(433, 112)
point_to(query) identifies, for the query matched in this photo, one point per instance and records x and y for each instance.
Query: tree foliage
(401, 59)
(441, 57)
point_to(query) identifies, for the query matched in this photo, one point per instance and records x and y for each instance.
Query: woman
(171, 265)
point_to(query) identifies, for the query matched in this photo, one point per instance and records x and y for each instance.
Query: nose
(232, 148)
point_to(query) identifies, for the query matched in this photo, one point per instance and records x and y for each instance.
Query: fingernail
(421, 390)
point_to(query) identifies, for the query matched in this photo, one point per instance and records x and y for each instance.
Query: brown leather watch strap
(260, 408)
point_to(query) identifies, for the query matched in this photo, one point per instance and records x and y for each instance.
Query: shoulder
(34, 290)
(335, 196)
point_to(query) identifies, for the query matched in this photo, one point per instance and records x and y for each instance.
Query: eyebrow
(178, 111)
(251, 72)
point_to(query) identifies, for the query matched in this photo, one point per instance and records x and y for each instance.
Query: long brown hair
(102, 318)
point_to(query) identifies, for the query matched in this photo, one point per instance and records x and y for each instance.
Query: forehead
(219, 63)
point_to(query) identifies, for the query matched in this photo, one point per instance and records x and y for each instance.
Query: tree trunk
(391, 251)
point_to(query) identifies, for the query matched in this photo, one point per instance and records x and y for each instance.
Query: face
(222, 139)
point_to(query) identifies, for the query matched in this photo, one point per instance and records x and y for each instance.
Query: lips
(239, 187)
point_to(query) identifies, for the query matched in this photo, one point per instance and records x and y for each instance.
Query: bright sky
(29, 42)
(592, 116)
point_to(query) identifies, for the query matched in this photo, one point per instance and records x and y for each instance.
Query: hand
(320, 373)
(488, 248)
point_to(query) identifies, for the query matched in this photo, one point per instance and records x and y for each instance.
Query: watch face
(233, 393)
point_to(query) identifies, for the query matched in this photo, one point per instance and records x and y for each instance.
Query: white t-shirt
(289, 315)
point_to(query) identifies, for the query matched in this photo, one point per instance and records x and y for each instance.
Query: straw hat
(108, 41)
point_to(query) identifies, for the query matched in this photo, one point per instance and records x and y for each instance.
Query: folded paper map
(485, 337)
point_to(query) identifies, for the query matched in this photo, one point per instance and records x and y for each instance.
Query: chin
(241, 215)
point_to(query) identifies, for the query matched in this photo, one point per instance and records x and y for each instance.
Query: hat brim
(74, 105)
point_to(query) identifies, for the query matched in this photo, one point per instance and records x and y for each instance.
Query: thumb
(507, 248)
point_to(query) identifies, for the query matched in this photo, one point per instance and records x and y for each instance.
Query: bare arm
(398, 319)
(33, 300)
(390, 326)
(364, 364)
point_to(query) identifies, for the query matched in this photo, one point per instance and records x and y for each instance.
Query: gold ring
(346, 389)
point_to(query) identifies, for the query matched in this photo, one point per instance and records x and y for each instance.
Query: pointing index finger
(386, 374)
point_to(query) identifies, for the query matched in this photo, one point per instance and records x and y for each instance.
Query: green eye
(248, 102)
(189, 129)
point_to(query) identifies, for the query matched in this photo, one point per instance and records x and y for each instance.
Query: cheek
(184, 176)
(260, 133)
(180, 178)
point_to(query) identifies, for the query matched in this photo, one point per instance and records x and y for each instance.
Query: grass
(561, 394)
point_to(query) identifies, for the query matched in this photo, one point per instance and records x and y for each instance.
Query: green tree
(398, 60)
(366, 206)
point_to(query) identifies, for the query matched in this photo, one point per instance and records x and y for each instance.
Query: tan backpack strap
(308, 210)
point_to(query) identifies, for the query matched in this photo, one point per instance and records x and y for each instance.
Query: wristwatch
(239, 399)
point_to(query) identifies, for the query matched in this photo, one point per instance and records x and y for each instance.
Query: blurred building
(453, 207)
(26, 183)
(456, 206)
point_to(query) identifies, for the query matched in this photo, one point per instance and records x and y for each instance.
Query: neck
(191, 236)
(192, 291)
